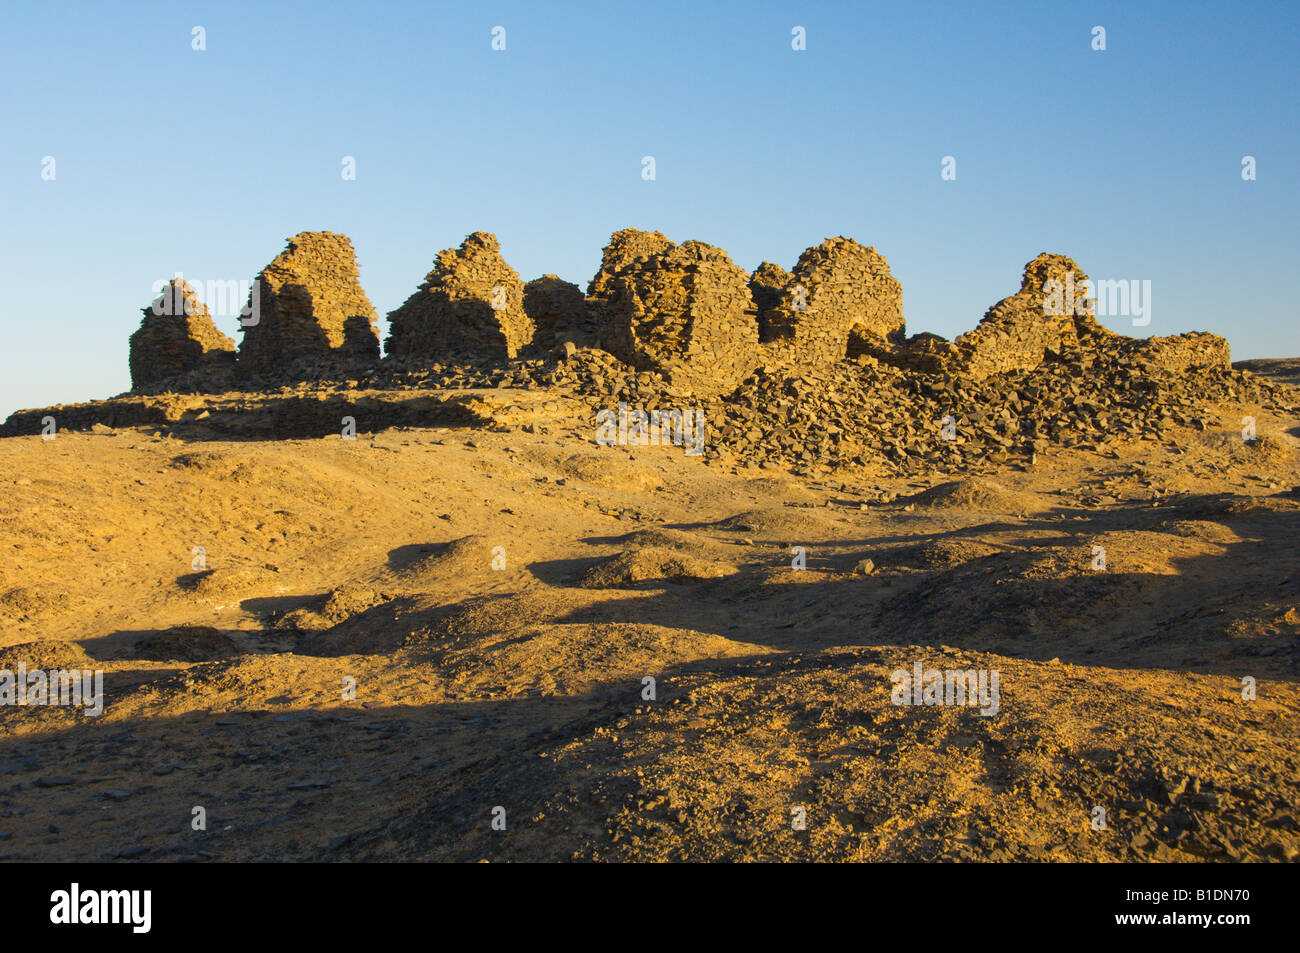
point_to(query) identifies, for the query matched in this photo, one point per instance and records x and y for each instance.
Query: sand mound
(187, 643)
(784, 523)
(607, 467)
(610, 472)
(348, 600)
(213, 462)
(484, 616)
(338, 605)
(1137, 553)
(570, 659)
(936, 554)
(23, 601)
(1265, 449)
(669, 539)
(1201, 529)
(968, 494)
(223, 583)
(441, 563)
(1232, 504)
(783, 490)
(44, 654)
(652, 564)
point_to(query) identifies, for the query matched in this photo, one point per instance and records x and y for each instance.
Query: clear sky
(170, 159)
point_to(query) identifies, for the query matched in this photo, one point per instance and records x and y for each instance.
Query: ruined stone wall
(685, 312)
(1019, 331)
(767, 286)
(470, 305)
(840, 300)
(626, 247)
(315, 319)
(559, 313)
(1178, 353)
(177, 338)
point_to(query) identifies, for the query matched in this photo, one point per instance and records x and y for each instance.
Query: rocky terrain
(419, 607)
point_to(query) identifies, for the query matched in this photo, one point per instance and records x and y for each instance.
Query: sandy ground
(497, 598)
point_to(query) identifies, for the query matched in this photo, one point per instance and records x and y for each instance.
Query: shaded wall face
(456, 320)
(313, 317)
(471, 305)
(558, 311)
(291, 337)
(176, 337)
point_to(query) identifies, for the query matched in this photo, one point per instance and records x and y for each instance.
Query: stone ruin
(1048, 316)
(559, 313)
(315, 320)
(627, 247)
(471, 304)
(1177, 353)
(1021, 330)
(683, 311)
(840, 301)
(177, 338)
(767, 287)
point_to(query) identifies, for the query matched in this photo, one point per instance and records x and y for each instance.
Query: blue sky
(169, 159)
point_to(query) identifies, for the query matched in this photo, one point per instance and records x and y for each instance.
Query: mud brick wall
(459, 311)
(315, 318)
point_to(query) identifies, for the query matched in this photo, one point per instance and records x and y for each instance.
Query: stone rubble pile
(177, 339)
(865, 411)
(471, 304)
(314, 320)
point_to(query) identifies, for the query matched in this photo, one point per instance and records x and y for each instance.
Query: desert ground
(433, 641)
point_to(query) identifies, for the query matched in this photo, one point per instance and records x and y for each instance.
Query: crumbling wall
(685, 312)
(626, 247)
(176, 338)
(559, 312)
(471, 304)
(840, 301)
(1049, 313)
(1178, 353)
(767, 287)
(314, 319)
